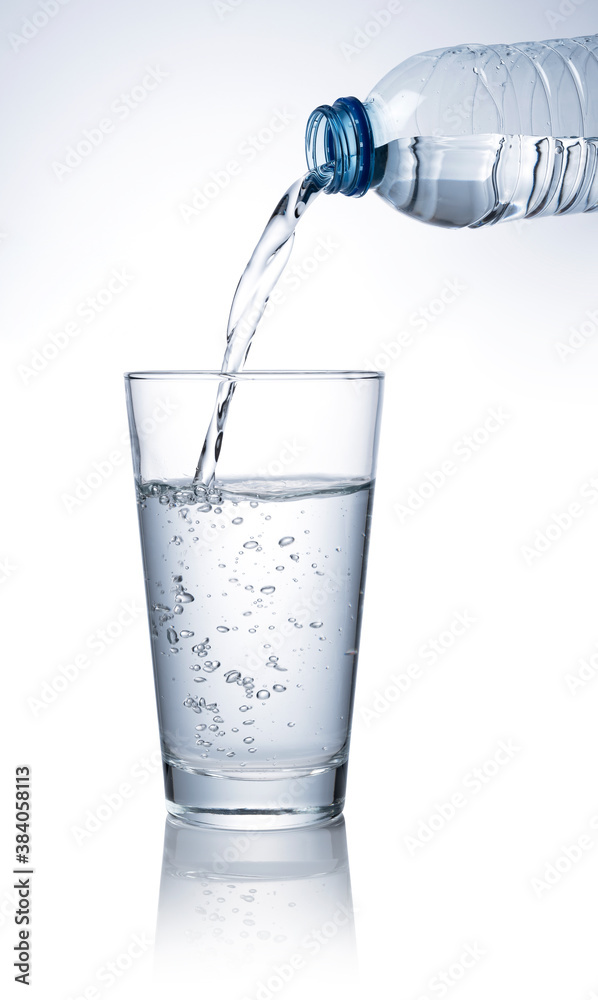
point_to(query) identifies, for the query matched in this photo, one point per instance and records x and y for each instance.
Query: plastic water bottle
(470, 136)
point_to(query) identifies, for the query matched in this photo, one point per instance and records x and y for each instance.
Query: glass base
(256, 801)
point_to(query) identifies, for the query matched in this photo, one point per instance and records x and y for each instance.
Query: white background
(67, 568)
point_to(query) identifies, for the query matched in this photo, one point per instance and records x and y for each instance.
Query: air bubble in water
(184, 598)
(232, 676)
(263, 694)
(222, 628)
(248, 722)
(237, 520)
(176, 540)
(278, 687)
(287, 540)
(280, 568)
(244, 708)
(171, 636)
(249, 739)
(290, 724)
(316, 624)
(254, 504)
(186, 634)
(159, 607)
(267, 590)
(295, 557)
(250, 545)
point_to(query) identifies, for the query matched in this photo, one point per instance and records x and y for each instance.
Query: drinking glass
(254, 585)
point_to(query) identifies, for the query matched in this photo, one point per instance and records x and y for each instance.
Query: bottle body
(474, 135)
(474, 181)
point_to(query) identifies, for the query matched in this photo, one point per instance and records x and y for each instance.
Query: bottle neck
(339, 145)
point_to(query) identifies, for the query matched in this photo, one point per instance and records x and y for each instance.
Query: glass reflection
(265, 912)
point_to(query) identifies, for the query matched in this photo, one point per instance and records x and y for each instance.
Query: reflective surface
(256, 911)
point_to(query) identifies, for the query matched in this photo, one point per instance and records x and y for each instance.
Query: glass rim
(265, 375)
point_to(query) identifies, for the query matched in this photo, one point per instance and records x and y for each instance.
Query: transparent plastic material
(254, 585)
(472, 135)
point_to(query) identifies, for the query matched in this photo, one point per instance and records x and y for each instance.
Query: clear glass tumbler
(254, 585)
